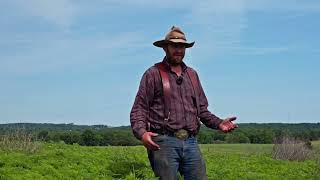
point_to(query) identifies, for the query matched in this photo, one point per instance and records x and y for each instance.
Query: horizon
(81, 62)
(129, 125)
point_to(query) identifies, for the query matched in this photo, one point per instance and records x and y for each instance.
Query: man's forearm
(210, 120)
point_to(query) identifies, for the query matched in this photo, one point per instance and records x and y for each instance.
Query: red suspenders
(166, 88)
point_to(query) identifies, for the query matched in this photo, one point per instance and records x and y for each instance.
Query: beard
(175, 59)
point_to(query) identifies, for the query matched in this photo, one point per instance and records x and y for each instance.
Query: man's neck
(175, 67)
(177, 70)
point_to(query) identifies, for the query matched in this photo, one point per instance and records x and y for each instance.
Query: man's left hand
(227, 125)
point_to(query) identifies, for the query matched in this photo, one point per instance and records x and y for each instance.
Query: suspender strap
(195, 85)
(166, 88)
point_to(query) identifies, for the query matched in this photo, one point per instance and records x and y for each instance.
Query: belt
(181, 134)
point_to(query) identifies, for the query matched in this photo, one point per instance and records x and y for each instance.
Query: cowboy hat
(175, 35)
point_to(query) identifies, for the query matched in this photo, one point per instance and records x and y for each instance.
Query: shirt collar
(167, 65)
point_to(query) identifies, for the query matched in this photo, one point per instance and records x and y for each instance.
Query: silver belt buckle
(181, 134)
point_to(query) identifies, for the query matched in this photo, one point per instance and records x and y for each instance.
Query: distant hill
(105, 135)
(299, 127)
(35, 127)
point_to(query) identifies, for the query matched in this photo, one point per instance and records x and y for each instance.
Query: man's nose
(179, 49)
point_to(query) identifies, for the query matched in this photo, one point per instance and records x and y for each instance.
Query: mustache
(178, 54)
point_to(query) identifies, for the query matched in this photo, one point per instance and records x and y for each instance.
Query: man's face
(175, 52)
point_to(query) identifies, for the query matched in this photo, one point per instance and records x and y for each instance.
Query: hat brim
(162, 43)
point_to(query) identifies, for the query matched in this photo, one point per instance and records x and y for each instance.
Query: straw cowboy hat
(175, 35)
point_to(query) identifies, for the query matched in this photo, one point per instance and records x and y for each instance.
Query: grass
(60, 161)
(253, 161)
(223, 161)
(316, 146)
(237, 148)
(316, 143)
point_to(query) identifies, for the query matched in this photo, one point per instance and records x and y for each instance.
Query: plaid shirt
(149, 104)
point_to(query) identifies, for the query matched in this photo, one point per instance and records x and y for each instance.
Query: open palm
(227, 125)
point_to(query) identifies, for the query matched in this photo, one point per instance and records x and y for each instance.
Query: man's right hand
(147, 141)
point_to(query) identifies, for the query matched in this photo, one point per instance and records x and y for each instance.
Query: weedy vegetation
(292, 149)
(19, 141)
(223, 161)
(23, 157)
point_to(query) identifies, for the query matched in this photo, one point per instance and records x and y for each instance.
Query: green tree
(43, 135)
(70, 137)
(237, 138)
(88, 138)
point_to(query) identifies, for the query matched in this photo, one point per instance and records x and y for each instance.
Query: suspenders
(166, 88)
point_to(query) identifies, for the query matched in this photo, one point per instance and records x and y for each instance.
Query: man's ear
(165, 48)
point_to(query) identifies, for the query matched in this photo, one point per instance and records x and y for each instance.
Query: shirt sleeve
(140, 109)
(206, 117)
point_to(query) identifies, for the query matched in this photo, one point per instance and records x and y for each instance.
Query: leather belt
(181, 134)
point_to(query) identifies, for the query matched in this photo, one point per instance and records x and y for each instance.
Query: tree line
(102, 135)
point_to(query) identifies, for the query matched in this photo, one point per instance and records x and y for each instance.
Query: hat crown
(175, 33)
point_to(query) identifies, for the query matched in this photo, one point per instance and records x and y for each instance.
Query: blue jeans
(177, 155)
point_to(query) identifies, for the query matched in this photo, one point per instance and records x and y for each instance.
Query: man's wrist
(141, 131)
(216, 125)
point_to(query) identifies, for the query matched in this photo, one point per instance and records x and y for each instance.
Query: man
(168, 107)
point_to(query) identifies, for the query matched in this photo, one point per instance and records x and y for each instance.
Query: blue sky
(68, 61)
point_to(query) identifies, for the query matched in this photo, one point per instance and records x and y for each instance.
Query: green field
(224, 161)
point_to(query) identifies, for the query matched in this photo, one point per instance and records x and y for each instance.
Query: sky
(76, 61)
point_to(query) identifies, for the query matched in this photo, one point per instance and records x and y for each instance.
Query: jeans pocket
(159, 138)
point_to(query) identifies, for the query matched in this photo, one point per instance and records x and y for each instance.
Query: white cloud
(63, 12)
(221, 23)
(54, 53)
(284, 5)
(257, 50)
(215, 25)
(58, 12)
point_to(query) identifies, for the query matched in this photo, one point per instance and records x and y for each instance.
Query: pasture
(223, 161)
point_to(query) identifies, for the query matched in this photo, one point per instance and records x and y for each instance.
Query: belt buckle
(181, 134)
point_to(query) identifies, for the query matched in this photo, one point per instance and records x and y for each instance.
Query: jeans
(177, 155)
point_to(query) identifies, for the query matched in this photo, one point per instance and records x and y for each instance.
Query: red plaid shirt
(149, 104)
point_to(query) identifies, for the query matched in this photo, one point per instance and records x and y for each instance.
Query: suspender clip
(168, 117)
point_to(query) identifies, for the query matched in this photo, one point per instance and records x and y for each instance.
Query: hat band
(176, 37)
